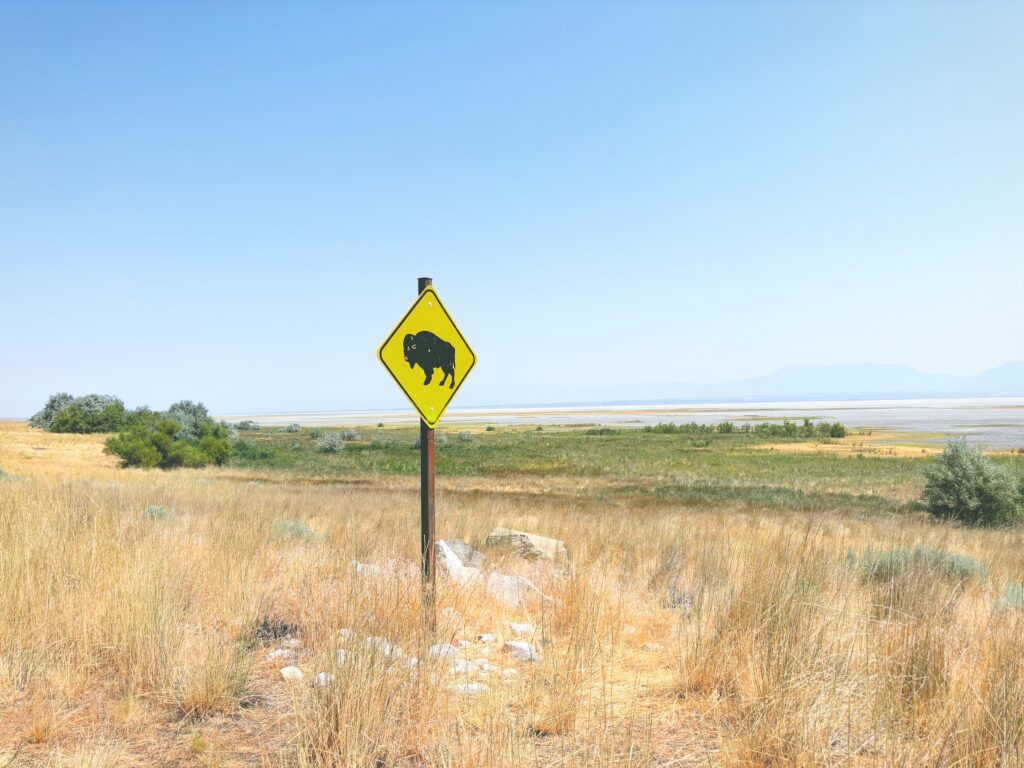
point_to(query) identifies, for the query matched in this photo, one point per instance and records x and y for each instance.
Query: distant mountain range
(848, 381)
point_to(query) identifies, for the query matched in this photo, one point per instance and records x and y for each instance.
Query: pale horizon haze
(231, 202)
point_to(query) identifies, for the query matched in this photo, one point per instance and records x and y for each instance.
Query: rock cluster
(462, 564)
(528, 545)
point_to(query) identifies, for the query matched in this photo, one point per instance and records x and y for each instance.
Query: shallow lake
(994, 422)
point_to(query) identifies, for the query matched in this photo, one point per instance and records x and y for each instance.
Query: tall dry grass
(678, 636)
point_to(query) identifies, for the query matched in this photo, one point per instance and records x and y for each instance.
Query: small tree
(54, 405)
(193, 417)
(83, 415)
(965, 485)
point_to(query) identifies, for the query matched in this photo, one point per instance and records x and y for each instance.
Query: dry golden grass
(873, 443)
(129, 641)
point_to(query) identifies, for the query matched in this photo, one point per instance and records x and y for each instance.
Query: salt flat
(996, 422)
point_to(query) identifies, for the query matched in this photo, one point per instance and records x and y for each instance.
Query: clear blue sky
(232, 202)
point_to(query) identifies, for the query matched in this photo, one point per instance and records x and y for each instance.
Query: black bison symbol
(429, 352)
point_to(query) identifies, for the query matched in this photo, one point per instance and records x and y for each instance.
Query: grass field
(716, 610)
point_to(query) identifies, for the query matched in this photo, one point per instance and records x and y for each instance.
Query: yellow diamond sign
(427, 356)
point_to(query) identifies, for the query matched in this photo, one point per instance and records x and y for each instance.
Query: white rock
(443, 651)
(527, 544)
(521, 650)
(463, 575)
(412, 661)
(479, 663)
(487, 638)
(510, 673)
(466, 554)
(447, 559)
(521, 630)
(280, 653)
(291, 674)
(652, 646)
(471, 689)
(512, 590)
(323, 679)
(340, 657)
(380, 644)
(460, 667)
(367, 569)
(346, 635)
(292, 642)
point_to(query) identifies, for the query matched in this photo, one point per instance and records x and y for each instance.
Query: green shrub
(293, 428)
(247, 426)
(349, 435)
(466, 437)
(896, 564)
(965, 485)
(690, 428)
(155, 441)
(492, 428)
(600, 431)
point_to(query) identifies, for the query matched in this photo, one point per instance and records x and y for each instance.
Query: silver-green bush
(965, 485)
(896, 564)
(156, 512)
(193, 417)
(1012, 596)
(295, 530)
(329, 442)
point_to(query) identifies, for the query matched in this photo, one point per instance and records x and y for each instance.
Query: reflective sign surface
(427, 356)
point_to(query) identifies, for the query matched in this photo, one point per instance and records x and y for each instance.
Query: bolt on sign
(427, 356)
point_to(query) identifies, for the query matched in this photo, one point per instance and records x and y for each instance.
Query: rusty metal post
(428, 528)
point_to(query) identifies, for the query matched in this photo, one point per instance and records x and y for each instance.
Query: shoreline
(996, 421)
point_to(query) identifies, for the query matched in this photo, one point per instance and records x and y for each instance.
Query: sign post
(428, 339)
(428, 525)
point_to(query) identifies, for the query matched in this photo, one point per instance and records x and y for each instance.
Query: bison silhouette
(429, 351)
